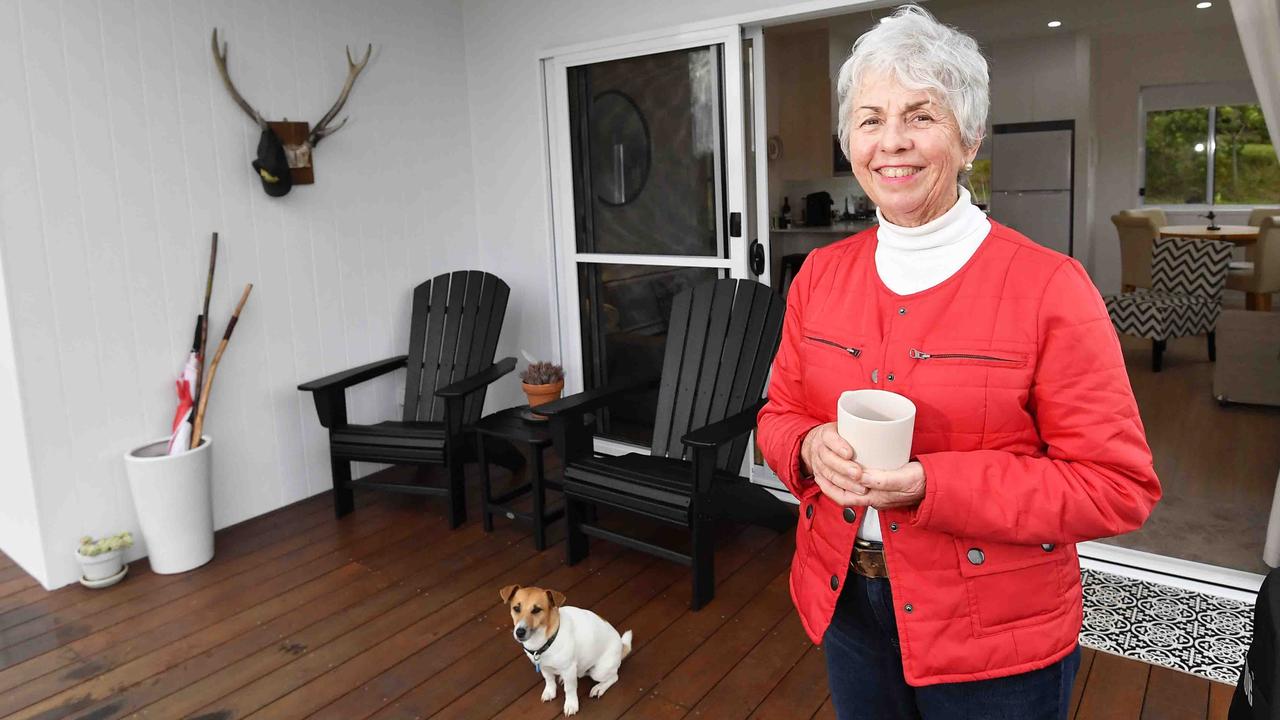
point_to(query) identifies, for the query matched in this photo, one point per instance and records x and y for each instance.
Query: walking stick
(202, 333)
(213, 367)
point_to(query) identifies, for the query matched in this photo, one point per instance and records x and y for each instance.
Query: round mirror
(619, 148)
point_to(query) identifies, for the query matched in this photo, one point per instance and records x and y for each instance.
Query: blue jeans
(864, 668)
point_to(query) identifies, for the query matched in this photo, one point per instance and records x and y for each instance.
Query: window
(1221, 152)
(1245, 170)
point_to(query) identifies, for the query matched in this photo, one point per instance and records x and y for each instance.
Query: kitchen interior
(1063, 153)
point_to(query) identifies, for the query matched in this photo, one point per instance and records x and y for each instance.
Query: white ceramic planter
(100, 566)
(173, 496)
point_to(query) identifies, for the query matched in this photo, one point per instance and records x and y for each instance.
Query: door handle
(756, 258)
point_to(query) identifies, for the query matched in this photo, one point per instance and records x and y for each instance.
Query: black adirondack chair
(452, 340)
(720, 342)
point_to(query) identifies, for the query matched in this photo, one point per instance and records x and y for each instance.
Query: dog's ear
(555, 597)
(506, 593)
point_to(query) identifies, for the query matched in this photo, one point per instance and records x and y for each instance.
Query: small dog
(565, 641)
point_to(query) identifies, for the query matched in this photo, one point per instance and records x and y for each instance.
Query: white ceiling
(994, 20)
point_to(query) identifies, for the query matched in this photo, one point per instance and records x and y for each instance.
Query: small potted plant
(100, 560)
(542, 383)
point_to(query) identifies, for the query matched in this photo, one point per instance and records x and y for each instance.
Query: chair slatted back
(454, 330)
(1187, 266)
(720, 342)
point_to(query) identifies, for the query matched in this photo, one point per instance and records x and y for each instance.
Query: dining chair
(1257, 214)
(1156, 214)
(1138, 231)
(1259, 275)
(1187, 280)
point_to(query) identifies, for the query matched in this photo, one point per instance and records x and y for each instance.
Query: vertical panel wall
(123, 152)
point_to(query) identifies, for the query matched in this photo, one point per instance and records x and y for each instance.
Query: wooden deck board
(388, 614)
(1115, 690)
(1173, 695)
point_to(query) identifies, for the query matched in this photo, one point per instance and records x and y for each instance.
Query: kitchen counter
(840, 228)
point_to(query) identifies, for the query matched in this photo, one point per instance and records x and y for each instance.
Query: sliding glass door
(649, 194)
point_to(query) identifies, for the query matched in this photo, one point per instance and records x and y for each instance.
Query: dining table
(1238, 234)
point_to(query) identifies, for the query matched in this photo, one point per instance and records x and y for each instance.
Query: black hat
(272, 165)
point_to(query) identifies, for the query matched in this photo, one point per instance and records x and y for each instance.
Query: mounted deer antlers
(277, 178)
(322, 129)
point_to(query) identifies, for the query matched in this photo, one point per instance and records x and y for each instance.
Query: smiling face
(905, 149)
(535, 613)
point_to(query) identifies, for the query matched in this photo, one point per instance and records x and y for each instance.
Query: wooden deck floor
(388, 614)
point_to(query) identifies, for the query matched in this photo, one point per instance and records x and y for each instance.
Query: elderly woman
(949, 588)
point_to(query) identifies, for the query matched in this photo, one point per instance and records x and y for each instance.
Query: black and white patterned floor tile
(1186, 630)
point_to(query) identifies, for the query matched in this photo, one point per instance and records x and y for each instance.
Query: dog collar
(536, 655)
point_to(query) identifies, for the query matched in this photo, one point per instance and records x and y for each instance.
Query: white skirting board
(1186, 574)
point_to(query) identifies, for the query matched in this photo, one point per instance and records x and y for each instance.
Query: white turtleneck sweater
(912, 259)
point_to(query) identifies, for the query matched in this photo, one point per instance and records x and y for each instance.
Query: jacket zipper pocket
(851, 350)
(918, 355)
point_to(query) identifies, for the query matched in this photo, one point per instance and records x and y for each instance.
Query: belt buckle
(869, 547)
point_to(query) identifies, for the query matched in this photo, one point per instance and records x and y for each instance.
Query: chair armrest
(717, 434)
(354, 376)
(468, 385)
(588, 400)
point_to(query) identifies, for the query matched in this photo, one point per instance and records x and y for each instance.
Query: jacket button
(893, 527)
(850, 515)
(835, 582)
(908, 608)
(808, 511)
(1047, 547)
(902, 311)
(976, 556)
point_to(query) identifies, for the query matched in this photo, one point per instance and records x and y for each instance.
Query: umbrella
(180, 437)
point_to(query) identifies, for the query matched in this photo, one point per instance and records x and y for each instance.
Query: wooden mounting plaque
(295, 133)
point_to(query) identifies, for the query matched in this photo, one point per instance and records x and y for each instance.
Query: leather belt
(868, 559)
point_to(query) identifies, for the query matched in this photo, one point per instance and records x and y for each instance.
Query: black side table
(511, 425)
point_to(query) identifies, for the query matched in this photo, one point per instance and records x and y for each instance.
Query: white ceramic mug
(878, 424)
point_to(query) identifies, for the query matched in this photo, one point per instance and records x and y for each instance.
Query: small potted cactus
(542, 383)
(101, 559)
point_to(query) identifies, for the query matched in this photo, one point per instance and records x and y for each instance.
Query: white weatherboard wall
(19, 523)
(123, 152)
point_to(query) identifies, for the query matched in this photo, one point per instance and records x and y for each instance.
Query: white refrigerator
(1032, 180)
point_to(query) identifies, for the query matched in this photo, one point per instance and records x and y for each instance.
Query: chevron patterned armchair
(1187, 279)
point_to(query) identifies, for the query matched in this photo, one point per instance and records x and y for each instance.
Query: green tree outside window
(1245, 170)
(1179, 145)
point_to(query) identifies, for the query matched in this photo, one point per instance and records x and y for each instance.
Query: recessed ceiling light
(1203, 5)
(1055, 23)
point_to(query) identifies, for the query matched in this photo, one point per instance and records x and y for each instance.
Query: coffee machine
(817, 208)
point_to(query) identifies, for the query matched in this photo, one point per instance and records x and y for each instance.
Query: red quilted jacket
(1026, 426)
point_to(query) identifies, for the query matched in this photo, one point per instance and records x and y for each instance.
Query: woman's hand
(903, 487)
(830, 459)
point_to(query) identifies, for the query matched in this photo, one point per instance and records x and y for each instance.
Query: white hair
(921, 54)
